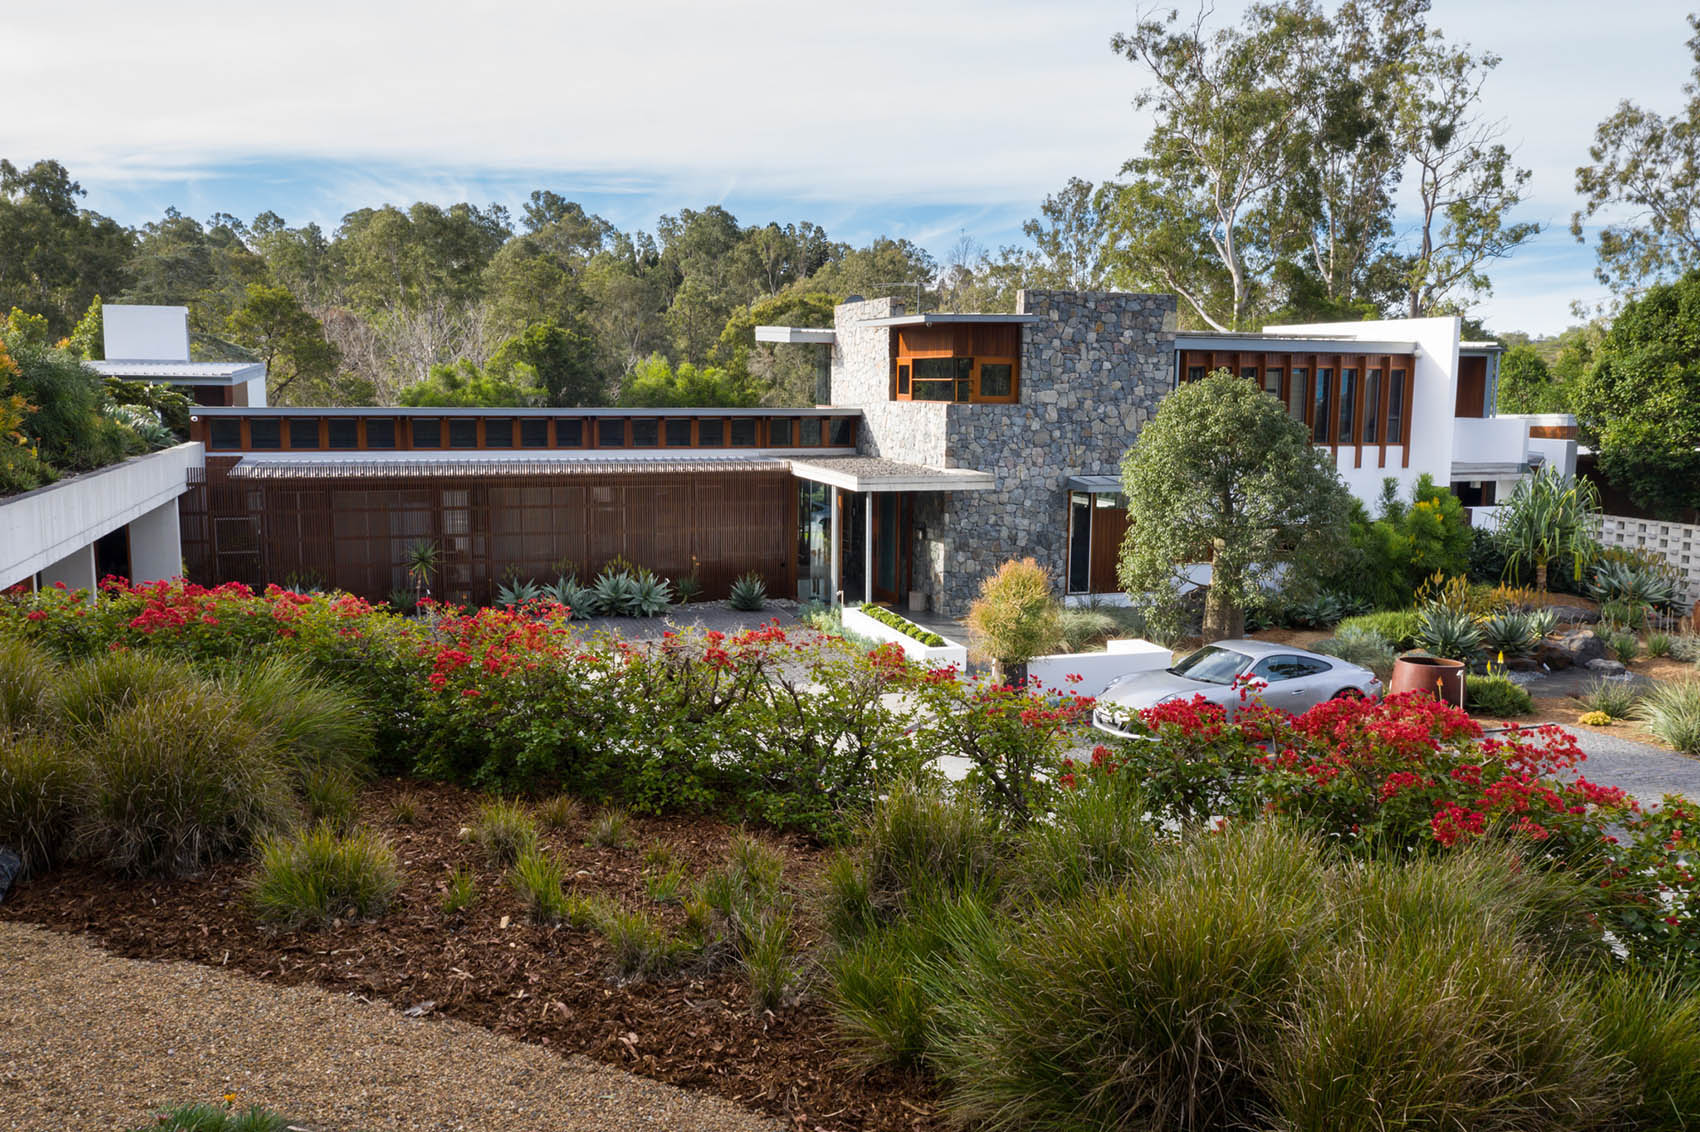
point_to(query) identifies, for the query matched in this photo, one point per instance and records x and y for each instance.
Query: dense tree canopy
(1224, 475)
(1640, 401)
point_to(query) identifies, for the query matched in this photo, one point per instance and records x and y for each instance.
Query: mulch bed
(548, 985)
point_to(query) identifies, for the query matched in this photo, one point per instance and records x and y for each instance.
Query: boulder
(1574, 614)
(1606, 667)
(1574, 648)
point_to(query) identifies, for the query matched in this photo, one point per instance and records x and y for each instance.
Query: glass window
(1296, 394)
(343, 432)
(779, 432)
(935, 379)
(843, 432)
(499, 432)
(1396, 407)
(611, 432)
(1323, 400)
(997, 379)
(711, 433)
(380, 433)
(964, 379)
(265, 432)
(463, 432)
(1348, 404)
(808, 432)
(303, 432)
(1212, 665)
(1195, 373)
(569, 433)
(646, 432)
(1372, 405)
(1079, 543)
(1249, 373)
(427, 432)
(678, 433)
(743, 433)
(903, 381)
(226, 433)
(534, 432)
(1272, 382)
(1274, 669)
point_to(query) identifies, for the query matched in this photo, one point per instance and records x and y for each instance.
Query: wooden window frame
(906, 362)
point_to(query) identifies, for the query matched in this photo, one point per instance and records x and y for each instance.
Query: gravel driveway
(92, 1040)
(1646, 771)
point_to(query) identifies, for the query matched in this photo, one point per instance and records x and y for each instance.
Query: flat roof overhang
(1292, 344)
(352, 465)
(800, 335)
(870, 473)
(1097, 485)
(947, 319)
(181, 373)
(1490, 470)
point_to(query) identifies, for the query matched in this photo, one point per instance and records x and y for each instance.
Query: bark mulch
(491, 967)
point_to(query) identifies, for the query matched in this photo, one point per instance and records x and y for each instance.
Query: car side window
(1273, 669)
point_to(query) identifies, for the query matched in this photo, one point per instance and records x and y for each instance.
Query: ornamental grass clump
(177, 781)
(1652, 1020)
(313, 724)
(1098, 837)
(640, 943)
(28, 678)
(1614, 698)
(611, 829)
(93, 690)
(539, 880)
(314, 877)
(1671, 711)
(43, 780)
(926, 836)
(331, 795)
(504, 830)
(1363, 647)
(460, 892)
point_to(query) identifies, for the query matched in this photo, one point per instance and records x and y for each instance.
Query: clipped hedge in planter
(903, 625)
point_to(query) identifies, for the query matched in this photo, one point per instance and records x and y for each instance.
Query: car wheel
(1348, 694)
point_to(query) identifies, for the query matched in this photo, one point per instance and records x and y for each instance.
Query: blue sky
(924, 120)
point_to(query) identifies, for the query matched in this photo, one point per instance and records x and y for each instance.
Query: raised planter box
(1097, 669)
(864, 626)
(42, 527)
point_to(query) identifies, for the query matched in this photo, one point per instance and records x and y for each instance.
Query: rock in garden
(1606, 667)
(11, 868)
(1582, 646)
(1574, 614)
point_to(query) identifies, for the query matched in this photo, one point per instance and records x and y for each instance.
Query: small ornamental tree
(1016, 617)
(1548, 517)
(1223, 475)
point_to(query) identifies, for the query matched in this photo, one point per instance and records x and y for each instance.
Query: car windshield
(1211, 665)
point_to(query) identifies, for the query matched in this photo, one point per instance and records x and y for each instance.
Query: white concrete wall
(1677, 543)
(1433, 398)
(1098, 669)
(42, 528)
(1490, 440)
(862, 625)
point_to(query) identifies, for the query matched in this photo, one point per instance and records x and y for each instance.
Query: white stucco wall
(53, 524)
(1434, 398)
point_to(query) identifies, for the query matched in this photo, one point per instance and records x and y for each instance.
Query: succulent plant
(1449, 633)
(749, 593)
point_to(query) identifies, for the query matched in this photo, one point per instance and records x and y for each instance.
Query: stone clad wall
(1092, 372)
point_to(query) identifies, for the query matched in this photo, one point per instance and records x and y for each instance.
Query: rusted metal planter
(1441, 678)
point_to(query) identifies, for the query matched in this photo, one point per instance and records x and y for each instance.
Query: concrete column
(837, 546)
(156, 544)
(76, 570)
(868, 545)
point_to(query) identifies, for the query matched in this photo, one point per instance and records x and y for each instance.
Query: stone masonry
(1093, 369)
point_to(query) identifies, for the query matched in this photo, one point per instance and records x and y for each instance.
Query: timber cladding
(355, 534)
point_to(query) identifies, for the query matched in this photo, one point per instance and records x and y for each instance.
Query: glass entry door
(891, 538)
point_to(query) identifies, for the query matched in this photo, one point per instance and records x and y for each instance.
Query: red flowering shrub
(1409, 774)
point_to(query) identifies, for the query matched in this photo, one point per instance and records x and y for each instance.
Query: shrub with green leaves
(1016, 617)
(311, 878)
(1363, 647)
(1396, 626)
(1497, 696)
(1671, 710)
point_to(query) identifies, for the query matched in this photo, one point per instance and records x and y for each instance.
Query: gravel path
(91, 1040)
(1646, 771)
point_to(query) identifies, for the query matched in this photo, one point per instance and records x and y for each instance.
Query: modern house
(943, 444)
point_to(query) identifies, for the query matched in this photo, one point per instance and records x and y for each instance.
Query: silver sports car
(1280, 675)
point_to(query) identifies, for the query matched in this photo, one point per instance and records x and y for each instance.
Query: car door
(1295, 684)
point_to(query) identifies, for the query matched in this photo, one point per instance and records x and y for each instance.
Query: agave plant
(1320, 612)
(1448, 633)
(518, 593)
(579, 600)
(1633, 583)
(749, 592)
(1543, 622)
(1512, 634)
(615, 594)
(651, 595)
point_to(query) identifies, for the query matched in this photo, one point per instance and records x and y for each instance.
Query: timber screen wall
(348, 520)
